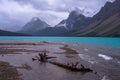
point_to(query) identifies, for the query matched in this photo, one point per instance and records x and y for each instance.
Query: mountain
(8, 33)
(75, 21)
(53, 31)
(65, 26)
(106, 23)
(107, 11)
(109, 28)
(35, 25)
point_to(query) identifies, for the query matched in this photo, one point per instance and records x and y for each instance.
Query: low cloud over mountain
(15, 13)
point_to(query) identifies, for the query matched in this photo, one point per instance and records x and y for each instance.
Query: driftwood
(42, 57)
(72, 68)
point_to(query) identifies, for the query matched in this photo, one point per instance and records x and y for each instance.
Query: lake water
(103, 60)
(115, 42)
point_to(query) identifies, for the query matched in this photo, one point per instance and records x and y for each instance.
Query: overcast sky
(15, 13)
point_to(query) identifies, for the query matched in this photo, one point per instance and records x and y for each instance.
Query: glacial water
(113, 42)
(104, 61)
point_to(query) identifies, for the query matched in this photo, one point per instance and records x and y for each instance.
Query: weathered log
(71, 67)
(50, 57)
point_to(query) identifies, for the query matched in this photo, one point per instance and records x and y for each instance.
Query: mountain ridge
(104, 24)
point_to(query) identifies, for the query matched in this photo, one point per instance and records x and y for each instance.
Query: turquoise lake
(89, 40)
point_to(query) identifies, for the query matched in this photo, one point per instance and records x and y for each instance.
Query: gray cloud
(15, 13)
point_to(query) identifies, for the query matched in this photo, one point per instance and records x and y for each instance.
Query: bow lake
(101, 55)
(87, 40)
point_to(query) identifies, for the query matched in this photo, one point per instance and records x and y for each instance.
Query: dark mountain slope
(109, 27)
(106, 23)
(51, 31)
(8, 33)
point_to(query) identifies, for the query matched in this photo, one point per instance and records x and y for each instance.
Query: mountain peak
(108, 2)
(76, 12)
(35, 19)
(34, 25)
(74, 15)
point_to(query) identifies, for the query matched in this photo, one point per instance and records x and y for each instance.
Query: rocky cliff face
(106, 23)
(107, 11)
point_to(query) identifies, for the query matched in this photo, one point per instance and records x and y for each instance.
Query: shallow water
(45, 71)
(88, 55)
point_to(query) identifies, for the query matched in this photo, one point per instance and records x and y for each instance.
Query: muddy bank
(8, 72)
